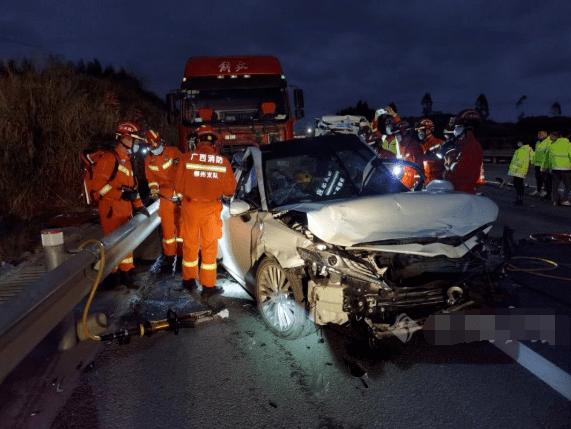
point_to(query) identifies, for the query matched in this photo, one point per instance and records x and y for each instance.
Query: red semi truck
(246, 99)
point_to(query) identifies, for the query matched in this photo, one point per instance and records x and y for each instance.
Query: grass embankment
(48, 116)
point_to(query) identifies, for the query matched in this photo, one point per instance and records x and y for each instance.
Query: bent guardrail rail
(36, 310)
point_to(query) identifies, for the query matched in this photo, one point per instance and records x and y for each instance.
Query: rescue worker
(160, 169)
(545, 170)
(540, 147)
(425, 130)
(117, 195)
(386, 141)
(449, 129)
(203, 177)
(558, 160)
(433, 165)
(522, 158)
(464, 163)
(409, 150)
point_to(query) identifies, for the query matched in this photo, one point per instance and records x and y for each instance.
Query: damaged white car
(321, 231)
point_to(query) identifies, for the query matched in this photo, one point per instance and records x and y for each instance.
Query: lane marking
(546, 371)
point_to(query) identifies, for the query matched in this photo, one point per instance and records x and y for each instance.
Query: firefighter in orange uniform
(433, 166)
(464, 163)
(160, 169)
(409, 150)
(117, 193)
(202, 178)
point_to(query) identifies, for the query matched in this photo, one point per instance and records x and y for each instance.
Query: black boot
(178, 264)
(167, 264)
(129, 279)
(211, 291)
(190, 285)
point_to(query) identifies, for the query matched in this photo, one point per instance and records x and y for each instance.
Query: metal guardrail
(38, 309)
(493, 156)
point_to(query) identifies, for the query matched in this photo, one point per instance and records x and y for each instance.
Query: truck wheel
(283, 315)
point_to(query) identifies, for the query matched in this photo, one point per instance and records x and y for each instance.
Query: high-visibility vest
(520, 161)
(559, 154)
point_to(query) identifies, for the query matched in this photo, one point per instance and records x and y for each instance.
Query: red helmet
(424, 124)
(127, 128)
(401, 127)
(205, 133)
(468, 118)
(153, 138)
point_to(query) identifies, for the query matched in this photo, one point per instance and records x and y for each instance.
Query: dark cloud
(338, 52)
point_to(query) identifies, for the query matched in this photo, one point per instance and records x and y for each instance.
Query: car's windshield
(237, 105)
(317, 173)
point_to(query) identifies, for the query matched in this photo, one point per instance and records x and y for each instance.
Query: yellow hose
(93, 289)
(552, 265)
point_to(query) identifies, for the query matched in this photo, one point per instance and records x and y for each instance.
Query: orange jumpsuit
(113, 211)
(202, 177)
(433, 166)
(465, 165)
(410, 151)
(160, 171)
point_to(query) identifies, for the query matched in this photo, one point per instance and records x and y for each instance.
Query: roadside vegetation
(49, 115)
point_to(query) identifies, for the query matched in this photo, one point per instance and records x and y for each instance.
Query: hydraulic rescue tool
(171, 323)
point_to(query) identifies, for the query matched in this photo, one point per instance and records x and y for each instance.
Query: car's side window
(248, 187)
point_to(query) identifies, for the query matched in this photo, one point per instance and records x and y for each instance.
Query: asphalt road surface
(234, 373)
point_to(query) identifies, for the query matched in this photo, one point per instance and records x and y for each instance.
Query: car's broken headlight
(326, 261)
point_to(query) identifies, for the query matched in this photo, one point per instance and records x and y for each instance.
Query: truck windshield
(235, 106)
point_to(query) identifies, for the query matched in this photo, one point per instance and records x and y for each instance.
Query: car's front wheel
(275, 296)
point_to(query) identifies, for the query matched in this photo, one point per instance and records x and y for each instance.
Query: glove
(129, 194)
(142, 210)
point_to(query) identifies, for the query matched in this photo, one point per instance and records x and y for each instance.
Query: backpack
(90, 160)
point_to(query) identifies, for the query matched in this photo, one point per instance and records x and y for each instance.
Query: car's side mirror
(239, 207)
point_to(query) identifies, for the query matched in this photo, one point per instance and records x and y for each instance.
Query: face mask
(158, 150)
(458, 130)
(421, 135)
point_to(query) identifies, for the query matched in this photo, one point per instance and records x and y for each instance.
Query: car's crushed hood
(370, 220)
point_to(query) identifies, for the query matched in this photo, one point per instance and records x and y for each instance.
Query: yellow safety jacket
(558, 155)
(540, 148)
(521, 159)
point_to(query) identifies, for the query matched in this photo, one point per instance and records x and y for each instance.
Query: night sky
(338, 52)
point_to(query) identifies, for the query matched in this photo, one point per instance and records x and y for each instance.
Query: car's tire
(282, 314)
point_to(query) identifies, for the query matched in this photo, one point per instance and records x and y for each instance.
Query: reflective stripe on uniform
(125, 170)
(179, 239)
(190, 264)
(127, 260)
(153, 184)
(153, 168)
(203, 167)
(208, 266)
(169, 240)
(105, 189)
(167, 164)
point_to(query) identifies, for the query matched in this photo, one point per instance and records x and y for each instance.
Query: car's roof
(290, 147)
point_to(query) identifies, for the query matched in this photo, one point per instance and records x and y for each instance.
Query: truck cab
(246, 99)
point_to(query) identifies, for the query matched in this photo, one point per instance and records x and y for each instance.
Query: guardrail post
(54, 251)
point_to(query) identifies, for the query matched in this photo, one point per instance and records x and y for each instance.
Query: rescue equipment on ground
(147, 327)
